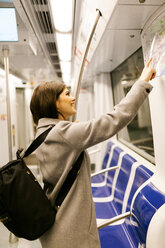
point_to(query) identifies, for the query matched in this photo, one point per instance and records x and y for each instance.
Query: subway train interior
(99, 49)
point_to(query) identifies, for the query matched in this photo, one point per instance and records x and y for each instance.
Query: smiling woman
(65, 105)
(51, 105)
(52, 100)
(43, 101)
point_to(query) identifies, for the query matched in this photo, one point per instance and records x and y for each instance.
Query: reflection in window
(138, 134)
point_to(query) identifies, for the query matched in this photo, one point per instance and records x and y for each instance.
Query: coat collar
(44, 122)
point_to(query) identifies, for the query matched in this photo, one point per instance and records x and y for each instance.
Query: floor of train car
(22, 243)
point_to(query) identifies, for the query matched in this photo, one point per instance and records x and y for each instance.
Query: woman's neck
(61, 117)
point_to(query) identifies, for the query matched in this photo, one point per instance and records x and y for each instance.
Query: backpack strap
(37, 142)
(74, 171)
(69, 181)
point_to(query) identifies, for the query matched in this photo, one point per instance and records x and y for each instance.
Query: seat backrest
(121, 179)
(116, 160)
(141, 175)
(110, 159)
(109, 150)
(123, 183)
(145, 205)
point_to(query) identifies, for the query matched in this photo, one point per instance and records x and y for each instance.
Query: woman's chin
(74, 111)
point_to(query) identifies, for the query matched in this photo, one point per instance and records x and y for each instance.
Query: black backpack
(24, 208)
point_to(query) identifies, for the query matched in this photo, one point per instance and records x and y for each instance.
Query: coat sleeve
(85, 134)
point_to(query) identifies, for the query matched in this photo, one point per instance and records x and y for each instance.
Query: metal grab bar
(12, 237)
(77, 85)
(114, 219)
(95, 151)
(105, 170)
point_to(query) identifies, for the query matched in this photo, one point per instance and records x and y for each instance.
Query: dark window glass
(138, 134)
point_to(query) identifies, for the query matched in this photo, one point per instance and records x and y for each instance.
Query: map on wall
(153, 43)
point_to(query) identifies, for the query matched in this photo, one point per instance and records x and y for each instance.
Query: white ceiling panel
(148, 2)
(122, 36)
(125, 45)
(32, 67)
(115, 47)
(131, 16)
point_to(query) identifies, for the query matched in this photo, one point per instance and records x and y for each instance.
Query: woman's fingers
(148, 73)
(148, 63)
(153, 74)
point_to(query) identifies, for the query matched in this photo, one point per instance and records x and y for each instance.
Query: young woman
(51, 104)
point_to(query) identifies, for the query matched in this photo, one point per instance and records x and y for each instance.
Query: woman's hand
(148, 73)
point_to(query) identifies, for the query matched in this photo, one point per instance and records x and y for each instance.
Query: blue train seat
(113, 192)
(100, 180)
(122, 234)
(145, 205)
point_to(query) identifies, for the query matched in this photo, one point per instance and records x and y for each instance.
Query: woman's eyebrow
(67, 91)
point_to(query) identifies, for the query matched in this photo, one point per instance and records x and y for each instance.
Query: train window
(138, 134)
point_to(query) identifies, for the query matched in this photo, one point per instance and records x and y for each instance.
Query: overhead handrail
(105, 170)
(114, 219)
(77, 85)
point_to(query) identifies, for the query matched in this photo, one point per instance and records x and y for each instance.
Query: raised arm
(85, 134)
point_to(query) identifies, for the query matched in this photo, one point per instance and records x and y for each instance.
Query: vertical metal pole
(6, 67)
(12, 238)
(78, 82)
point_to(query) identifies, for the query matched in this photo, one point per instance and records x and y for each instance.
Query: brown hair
(43, 101)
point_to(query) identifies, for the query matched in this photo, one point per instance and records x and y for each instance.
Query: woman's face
(65, 104)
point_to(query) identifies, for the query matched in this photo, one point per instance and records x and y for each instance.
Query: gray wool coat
(75, 225)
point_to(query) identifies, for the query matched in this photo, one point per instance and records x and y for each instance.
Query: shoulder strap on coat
(37, 142)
